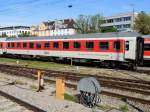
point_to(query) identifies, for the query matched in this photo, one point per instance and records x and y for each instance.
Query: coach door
(130, 49)
(140, 50)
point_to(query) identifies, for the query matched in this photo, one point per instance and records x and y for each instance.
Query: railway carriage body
(112, 47)
(2, 45)
(147, 48)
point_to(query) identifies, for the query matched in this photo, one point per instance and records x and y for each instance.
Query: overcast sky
(32, 12)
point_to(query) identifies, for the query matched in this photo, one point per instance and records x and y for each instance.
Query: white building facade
(14, 30)
(54, 28)
(68, 31)
(122, 21)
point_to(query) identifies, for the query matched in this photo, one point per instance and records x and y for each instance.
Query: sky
(33, 12)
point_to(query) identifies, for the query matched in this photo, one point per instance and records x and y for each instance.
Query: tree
(142, 23)
(109, 29)
(24, 35)
(89, 24)
(4, 35)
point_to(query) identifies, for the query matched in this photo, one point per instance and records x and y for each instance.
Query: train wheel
(112, 65)
(133, 67)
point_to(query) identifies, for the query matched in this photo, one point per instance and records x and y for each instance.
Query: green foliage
(4, 35)
(109, 29)
(142, 23)
(104, 107)
(89, 24)
(70, 97)
(33, 87)
(124, 108)
(24, 35)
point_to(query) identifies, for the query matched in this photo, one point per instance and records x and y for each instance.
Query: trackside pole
(60, 88)
(71, 62)
(40, 80)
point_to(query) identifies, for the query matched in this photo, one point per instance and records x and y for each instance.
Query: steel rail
(22, 103)
(31, 73)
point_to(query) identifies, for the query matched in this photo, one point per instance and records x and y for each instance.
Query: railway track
(137, 86)
(143, 101)
(9, 103)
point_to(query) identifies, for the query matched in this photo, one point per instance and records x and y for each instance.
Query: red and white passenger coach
(123, 47)
(147, 47)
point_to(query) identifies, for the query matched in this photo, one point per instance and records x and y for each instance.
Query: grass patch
(70, 97)
(34, 87)
(104, 107)
(124, 108)
(19, 82)
(33, 63)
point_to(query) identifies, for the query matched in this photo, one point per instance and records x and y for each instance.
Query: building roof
(146, 36)
(14, 27)
(121, 15)
(78, 36)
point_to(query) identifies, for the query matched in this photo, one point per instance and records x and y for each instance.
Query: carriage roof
(78, 36)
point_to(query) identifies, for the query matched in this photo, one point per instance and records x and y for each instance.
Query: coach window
(65, 45)
(18, 45)
(12, 45)
(117, 45)
(77, 45)
(146, 47)
(31, 45)
(55, 45)
(127, 45)
(104, 45)
(89, 45)
(46, 45)
(24, 45)
(8, 45)
(38, 45)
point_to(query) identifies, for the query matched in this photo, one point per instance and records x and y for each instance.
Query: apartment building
(122, 21)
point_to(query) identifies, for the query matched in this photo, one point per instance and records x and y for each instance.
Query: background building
(54, 28)
(14, 30)
(122, 21)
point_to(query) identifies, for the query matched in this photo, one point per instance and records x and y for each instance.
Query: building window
(89, 45)
(110, 21)
(12, 45)
(46, 45)
(24, 45)
(38, 45)
(65, 45)
(118, 19)
(119, 26)
(126, 26)
(31, 45)
(18, 45)
(104, 45)
(77, 45)
(146, 47)
(117, 45)
(55, 45)
(127, 18)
